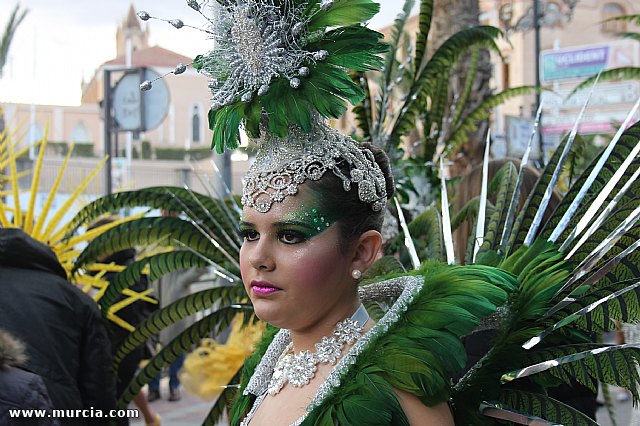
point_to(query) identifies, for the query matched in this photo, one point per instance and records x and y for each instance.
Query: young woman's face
(292, 264)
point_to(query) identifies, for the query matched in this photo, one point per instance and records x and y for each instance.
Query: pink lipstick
(263, 288)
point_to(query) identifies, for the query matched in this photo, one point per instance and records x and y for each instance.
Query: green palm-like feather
(427, 235)
(159, 264)
(213, 323)
(164, 231)
(620, 152)
(545, 407)
(623, 308)
(180, 309)
(629, 36)
(424, 26)
(468, 123)
(508, 176)
(591, 363)
(439, 98)
(622, 73)
(167, 198)
(444, 58)
(468, 85)
(625, 268)
(634, 19)
(224, 401)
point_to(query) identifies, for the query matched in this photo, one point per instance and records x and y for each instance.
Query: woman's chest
(290, 404)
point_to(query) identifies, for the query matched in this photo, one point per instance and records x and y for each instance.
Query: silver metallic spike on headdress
(282, 164)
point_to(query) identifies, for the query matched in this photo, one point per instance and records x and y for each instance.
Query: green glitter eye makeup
(311, 222)
(317, 221)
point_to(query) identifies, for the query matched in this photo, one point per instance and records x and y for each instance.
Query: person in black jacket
(65, 339)
(19, 389)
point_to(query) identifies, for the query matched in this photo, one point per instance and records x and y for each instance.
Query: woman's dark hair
(356, 217)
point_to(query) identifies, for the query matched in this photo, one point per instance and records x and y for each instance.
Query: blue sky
(60, 42)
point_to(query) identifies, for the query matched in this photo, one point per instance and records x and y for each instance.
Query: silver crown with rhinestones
(282, 164)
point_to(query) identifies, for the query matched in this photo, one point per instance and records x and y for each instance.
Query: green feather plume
(324, 89)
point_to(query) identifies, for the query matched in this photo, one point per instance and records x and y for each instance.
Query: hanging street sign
(135, 110)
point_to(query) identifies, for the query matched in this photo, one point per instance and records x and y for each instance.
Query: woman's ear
(367, 250)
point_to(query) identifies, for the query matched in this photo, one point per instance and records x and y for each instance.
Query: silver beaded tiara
(282, 164)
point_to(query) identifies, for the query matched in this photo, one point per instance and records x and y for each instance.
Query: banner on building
(580, 62)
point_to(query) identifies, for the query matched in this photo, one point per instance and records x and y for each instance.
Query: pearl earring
(356, 274)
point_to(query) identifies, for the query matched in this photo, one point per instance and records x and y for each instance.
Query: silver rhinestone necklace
(298, 369)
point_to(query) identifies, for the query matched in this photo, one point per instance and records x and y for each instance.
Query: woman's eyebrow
(246, 224)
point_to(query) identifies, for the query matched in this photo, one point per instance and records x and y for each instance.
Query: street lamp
(547, 14)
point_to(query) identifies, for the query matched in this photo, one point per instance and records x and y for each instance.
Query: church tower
(131, 29)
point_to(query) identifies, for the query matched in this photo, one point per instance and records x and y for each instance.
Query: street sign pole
(106, 105)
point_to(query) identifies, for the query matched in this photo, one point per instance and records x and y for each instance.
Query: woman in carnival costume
(314, 203)
(313, 208)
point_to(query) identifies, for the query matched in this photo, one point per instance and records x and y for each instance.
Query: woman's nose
(261, 256)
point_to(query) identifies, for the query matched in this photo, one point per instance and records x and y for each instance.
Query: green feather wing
(213, 323)
(178, 310)
(544, 407)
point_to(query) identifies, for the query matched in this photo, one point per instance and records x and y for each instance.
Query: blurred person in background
(169, 288)
(19, 388)
(134, 314)
(65, 340)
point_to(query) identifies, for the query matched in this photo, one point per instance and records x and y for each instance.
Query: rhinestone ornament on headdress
(282, 164)
(256, 42)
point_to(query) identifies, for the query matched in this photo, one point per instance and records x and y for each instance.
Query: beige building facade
(571, 50)
(184, 126)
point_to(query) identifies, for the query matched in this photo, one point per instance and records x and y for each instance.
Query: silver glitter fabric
(256, 41)
(257, 385)
(282, 164)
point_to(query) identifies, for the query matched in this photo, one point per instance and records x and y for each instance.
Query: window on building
(611, 10)
(79, 134)
(195, 124)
